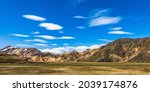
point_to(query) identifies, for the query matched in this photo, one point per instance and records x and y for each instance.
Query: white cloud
(20, 35)
(66, 37)
(36, 40)
(119, 32)
(55, 38)
(79, 17)
(104, 21)
(80, 27)
(47, 37)
(34, 17)
(51, 26)
(59, 50)
(105, 40)
(67, 49)
(116, 28)
(35, 32)
(80, 48)
(44, 45)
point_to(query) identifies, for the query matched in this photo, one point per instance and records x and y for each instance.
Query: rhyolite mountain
(121, 50)
(124, 50)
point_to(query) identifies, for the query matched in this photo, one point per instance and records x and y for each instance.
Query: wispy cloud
(99, 17)
(65, 37)
(67, 49)
(105, 20)
(99, 13)
(105, 40)
(43, 45)
(34, 17)
(51, 26)
(116, 28)
(36, 40)
(36, 32)
(79, 17)
(119, 32)
(48, 37)
(80, 27)
(20, 35)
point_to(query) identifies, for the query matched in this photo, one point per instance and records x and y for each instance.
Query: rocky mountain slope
(124, 50)
(21, 52)
(121, 50)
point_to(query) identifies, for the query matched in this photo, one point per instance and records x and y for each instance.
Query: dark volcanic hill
(124, 50)
(121, 50)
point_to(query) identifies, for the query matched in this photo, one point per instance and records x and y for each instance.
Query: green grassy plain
(71, 68)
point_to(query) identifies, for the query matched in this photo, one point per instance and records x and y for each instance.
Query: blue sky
(64, 25)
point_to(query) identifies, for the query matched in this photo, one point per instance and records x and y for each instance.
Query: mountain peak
(6, 48)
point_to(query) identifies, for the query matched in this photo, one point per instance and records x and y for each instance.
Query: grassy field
(85, 68)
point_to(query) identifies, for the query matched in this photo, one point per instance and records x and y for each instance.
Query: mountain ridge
(120, 50)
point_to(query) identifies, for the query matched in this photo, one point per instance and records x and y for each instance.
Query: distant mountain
(21, 52)
(66, 57)
(121, 50)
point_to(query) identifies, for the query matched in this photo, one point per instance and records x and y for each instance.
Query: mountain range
(121, 50)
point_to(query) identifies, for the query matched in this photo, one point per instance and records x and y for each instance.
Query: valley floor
(85, 68)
